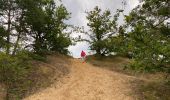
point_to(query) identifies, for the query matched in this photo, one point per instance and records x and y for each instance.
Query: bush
(145, 65)
(37, 57)
(14, 72)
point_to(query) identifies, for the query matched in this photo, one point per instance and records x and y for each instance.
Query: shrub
(14, 71)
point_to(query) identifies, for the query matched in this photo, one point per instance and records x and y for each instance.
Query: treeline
(32, 25)
(29, 29)
(145, 36)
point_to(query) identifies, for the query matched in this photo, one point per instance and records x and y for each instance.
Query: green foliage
(2, 36)
(14, 72)
(39, 22)
(37, 57)
(34, 25)
(57, 39)
(119, 43)
(48, 27)
(102, 26)
(149, 41)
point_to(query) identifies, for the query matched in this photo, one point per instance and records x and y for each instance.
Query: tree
(37, 26)
(149, 39)
(102, 26)
(46, 26)
(57, 39)
(20, 25)
(2, 36)
(118, 43)
(7, 12)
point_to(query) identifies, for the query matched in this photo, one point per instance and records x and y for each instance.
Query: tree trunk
(8, 31)
(98, 51)
(19, 34)
(16, 44)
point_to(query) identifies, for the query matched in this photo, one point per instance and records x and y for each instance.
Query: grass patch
(113, 63)
(152, 90)
(146, 86)
(14, 72)
(23, 75)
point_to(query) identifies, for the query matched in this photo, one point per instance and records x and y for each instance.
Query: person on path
(83, 56)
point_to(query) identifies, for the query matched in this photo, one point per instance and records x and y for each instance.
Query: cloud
(133, 3)
(78, 15)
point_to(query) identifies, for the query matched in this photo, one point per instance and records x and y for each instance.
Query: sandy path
(86, 82)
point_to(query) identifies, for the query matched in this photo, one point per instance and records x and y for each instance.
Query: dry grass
(41, 76)
(114, 63)
(151, 90)
(147, 86)
(46, 73)
(86, 82)
(2, 92)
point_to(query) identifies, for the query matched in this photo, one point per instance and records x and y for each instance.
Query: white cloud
(133, 3)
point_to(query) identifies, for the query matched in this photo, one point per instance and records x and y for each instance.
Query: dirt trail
(86, 82)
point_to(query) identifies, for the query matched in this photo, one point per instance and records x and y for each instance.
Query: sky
(77, 8)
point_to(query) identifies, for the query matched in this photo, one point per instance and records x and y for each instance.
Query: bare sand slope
(86, 82)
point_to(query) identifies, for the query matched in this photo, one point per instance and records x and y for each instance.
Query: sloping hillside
(146, 86)
(65, 78)
(86, 82)
(41, 76)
